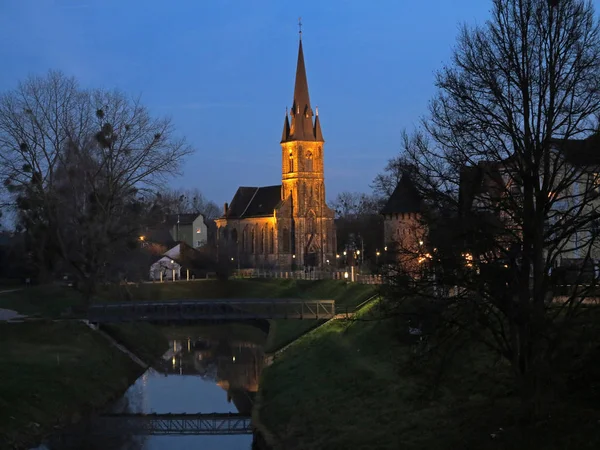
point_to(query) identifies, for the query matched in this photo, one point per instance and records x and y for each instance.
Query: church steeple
(286, 127)
(302, 127)
(318, 133)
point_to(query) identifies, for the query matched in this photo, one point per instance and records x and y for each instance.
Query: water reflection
(198, 375)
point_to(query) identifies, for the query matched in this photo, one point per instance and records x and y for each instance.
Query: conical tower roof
(301, 128)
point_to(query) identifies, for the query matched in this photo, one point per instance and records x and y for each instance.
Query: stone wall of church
(252, 242)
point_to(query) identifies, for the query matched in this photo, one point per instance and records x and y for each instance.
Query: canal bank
(198, 395)
(53, 373)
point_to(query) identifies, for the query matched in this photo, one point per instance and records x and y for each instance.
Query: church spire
(286, 127)
(302, 124)
(318, 133)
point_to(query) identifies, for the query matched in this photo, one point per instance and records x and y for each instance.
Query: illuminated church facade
(287, 225)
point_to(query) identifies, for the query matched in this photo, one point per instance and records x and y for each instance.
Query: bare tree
(79, 163)
(353, 204)
(510, 188)
(188, 201)
(385, 182)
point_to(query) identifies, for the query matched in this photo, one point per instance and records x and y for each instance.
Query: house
(168, 267)
(290, 224)
(189, 228)
(484, 224)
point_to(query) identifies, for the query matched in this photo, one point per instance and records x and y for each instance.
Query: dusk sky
(224, 71)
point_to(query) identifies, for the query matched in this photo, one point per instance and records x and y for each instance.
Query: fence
(350, 276)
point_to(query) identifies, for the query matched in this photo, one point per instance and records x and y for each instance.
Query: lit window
(198, 230)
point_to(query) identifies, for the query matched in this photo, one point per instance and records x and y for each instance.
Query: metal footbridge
(221, 309)
(173, 424)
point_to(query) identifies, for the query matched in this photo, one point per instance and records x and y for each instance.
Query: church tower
(304, 217)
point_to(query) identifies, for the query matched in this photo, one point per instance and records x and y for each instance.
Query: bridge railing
(213, 309)
(173, 424)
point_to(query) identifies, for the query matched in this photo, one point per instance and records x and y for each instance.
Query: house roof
(580, 152)
(182, 219)
(254, 202)
(404, 199)
(483, 178)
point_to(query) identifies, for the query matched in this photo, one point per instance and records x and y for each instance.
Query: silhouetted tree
(508, 191)
(79, 164)
(187, 201)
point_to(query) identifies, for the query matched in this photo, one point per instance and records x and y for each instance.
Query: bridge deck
(228, 309)
(173, 424)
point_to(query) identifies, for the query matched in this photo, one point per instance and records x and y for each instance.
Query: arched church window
(309, 162)
(285, 240)
(225, 234)
(291, 165)
(261, 242)
(245, 240)
(272, 241)
(234, 236)
(252, 247)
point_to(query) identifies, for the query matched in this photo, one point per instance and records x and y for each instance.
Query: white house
(168, 267)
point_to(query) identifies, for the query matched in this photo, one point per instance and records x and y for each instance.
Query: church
(288, 225)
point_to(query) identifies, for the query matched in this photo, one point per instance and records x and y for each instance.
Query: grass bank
(144, 340)
(51, 301)
(358, 385)
(53, 372)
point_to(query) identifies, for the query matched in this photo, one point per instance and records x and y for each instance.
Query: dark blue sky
(224, 71)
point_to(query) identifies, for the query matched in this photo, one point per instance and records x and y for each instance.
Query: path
(9, 314)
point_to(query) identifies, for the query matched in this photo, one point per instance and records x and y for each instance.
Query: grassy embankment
(50, 301)
(52, 372)
(358, 385)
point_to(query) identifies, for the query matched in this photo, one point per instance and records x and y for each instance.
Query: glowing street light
(346, 275)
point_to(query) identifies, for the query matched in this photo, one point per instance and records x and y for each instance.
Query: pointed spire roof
(317, 132)
(404, 199)
(286, 128)
(302, 128)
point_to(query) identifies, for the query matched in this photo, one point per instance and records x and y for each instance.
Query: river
(201, 373)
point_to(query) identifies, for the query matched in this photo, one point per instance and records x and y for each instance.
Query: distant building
(189, 228)
(290, 224)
